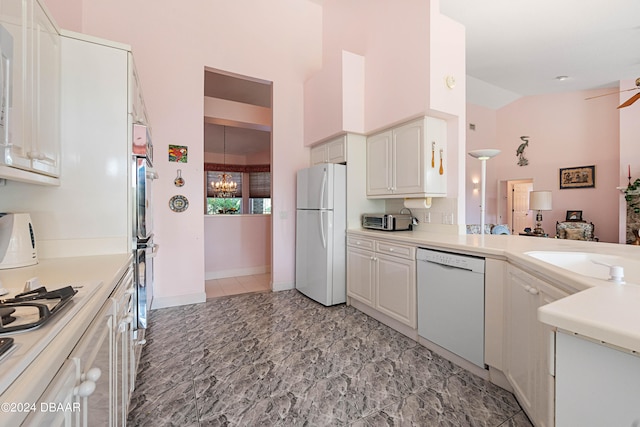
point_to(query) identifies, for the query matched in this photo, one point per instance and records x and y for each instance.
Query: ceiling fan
(629, 101)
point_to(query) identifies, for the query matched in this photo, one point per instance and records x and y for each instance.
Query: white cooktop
(28, 344)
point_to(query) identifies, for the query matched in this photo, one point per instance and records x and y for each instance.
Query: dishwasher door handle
(450, 267)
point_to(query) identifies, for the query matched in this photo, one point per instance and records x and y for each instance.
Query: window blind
(260, 185)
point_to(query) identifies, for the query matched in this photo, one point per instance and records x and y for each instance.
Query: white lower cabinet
(382, 275)
(58, 405)
(94, 385)
(528, 344)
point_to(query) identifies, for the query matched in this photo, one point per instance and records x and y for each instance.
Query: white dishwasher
(451, 302)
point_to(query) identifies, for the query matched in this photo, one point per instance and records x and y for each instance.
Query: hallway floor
(237, 285)
(281, 359)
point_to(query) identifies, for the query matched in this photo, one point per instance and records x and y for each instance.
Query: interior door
(520, 215)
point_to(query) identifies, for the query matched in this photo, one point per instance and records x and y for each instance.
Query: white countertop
(26, 371)
(605, 313)
(597, 309)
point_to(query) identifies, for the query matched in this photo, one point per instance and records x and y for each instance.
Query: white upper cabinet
(408, 160)
(334, 151)
(31, 59)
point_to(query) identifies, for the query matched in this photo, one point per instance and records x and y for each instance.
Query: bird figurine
(522, 161)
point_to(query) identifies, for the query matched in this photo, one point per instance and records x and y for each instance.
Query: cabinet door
(337, 150)
(318, 154)
(45, 131)
(521, 337)
(528, 344)
(95, 357)
(379, 164)
(136, 102)
(408, 159)
(545, 381)
(15, 153)
(396, 288)
(360, 275)
(57, 407)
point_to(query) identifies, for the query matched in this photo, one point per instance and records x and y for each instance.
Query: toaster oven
(387, 222)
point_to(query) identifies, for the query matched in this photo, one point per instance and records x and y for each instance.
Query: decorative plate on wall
(178, 203)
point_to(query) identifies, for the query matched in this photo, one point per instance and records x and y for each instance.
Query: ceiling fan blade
(611, 93)
(630, 101)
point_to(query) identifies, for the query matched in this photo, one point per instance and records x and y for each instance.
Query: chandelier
(225, 187)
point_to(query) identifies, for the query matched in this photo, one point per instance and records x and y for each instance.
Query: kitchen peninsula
(521, 275)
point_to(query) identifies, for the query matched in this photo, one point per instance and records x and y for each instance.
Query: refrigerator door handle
(324, 239)
(324, 186)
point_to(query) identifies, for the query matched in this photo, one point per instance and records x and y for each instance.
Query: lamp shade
(484, 154)
(540, 200)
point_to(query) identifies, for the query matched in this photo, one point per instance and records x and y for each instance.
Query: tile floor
(237, 285)
(280, 359)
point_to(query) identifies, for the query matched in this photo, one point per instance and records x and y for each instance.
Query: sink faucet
(414, 220)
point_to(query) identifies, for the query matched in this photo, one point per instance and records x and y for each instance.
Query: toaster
(17, 241)
(387, 222)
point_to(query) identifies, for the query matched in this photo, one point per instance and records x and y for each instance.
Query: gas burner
(31, 309)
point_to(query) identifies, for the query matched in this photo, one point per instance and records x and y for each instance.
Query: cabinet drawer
(402, 251)
(360, 242)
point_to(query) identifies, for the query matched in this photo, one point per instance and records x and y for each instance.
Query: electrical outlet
(426, 217)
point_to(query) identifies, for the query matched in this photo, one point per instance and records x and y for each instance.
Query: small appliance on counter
(387, 222)
(17, 241)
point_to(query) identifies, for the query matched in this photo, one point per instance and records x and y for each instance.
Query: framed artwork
(578, 177)
(574, 216)
(178, 153)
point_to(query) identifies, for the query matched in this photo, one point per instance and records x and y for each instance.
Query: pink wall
(237, 244)
(565, 131)
(172, 45)
(484, 136)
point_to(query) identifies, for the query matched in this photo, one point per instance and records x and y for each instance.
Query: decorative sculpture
(522, 160)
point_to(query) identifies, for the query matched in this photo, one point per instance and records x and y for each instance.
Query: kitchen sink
(590, 264)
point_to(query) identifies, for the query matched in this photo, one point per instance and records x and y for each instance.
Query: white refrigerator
(321, 220)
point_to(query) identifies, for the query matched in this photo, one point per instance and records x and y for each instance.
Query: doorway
(519, 216)
(237, 150)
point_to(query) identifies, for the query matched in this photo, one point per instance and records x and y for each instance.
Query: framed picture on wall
(578, 177)
(574, 216)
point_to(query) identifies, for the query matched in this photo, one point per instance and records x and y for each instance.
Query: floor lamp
(483, 155)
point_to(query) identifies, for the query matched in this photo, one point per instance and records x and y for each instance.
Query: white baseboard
(210, 275)
(164, 302)
(282, 286)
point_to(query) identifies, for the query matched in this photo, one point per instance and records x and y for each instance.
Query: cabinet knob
(92, 374)
(390, 249)
(85, 389)
(533, 291)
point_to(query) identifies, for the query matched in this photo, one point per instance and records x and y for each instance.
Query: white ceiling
(521, 46)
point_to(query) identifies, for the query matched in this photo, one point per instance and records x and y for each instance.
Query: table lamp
(539, 201)
(483, 155)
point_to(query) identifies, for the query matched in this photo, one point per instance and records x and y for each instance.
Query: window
(226, 205)
(255, 180)
(260, 192)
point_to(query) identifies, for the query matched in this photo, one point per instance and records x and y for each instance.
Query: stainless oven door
(143, 204)
(145, 253)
